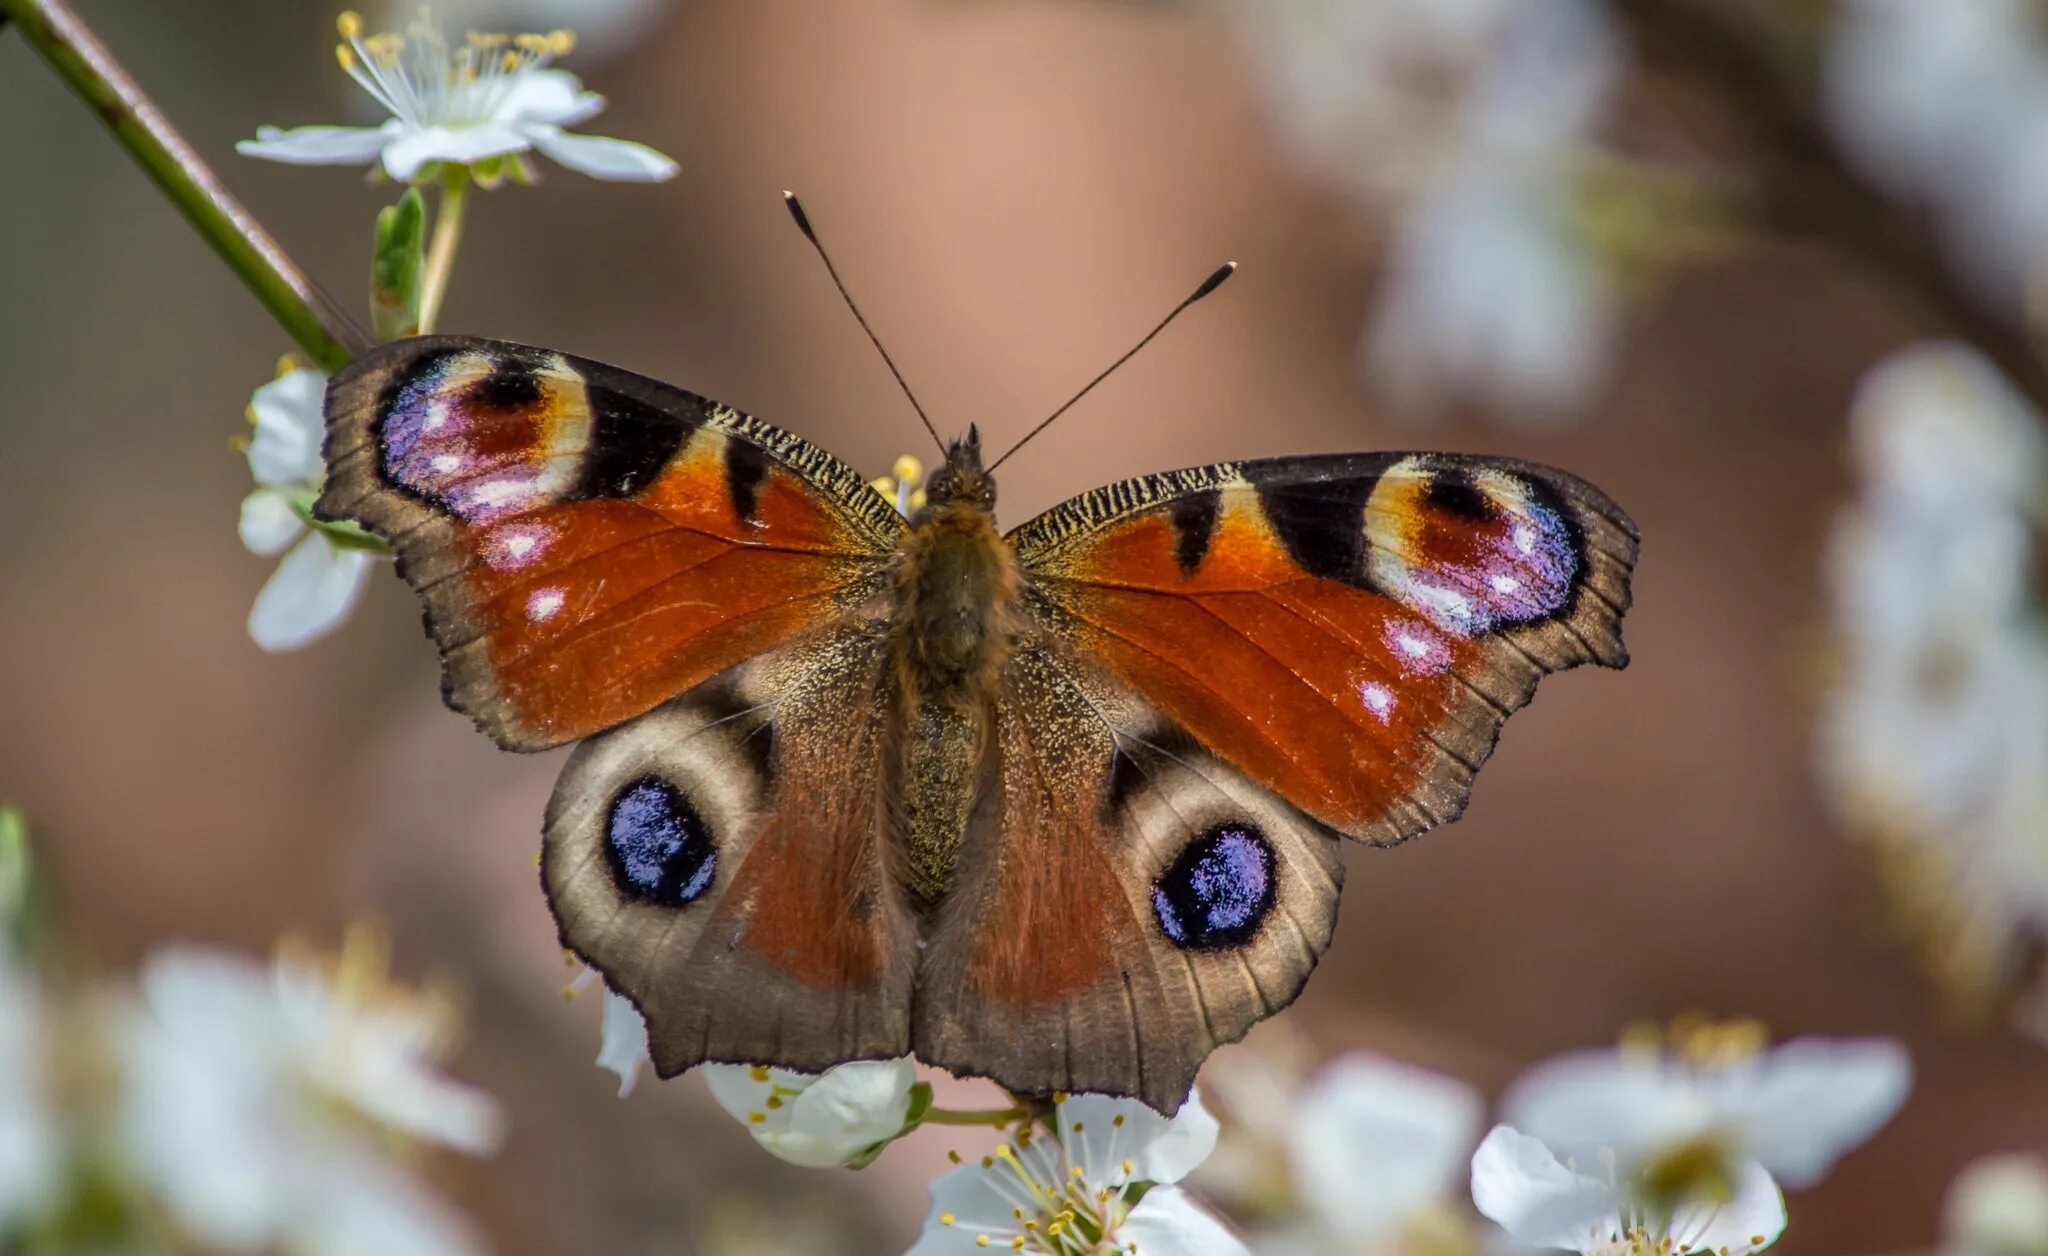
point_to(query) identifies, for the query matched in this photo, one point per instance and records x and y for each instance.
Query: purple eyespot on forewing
(470, 436)
(1218, 891)
(657, 845)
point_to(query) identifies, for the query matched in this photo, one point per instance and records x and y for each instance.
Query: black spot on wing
(746, 465)
(512, 384)
(1453, 491)
(1194, 525)
(630, 442)
(1321, 522)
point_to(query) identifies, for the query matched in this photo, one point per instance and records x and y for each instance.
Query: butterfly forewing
(588, 542)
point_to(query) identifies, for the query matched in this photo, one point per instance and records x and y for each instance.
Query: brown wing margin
(588, 542)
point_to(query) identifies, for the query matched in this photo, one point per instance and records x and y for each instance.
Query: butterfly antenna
(1209, 285)
(803, 224)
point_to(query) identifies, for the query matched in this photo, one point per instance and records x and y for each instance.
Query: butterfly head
(962, 479)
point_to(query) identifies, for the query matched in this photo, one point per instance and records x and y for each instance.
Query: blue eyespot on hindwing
(1218, 891)
(658, 846)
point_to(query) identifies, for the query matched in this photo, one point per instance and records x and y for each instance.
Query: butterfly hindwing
(588, 542)
(1349, 630)
(722, 860)
(1128, 903)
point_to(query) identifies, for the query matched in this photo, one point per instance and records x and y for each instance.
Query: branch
(1768, 74)
(307, 314)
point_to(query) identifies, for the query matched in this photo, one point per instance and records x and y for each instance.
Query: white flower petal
(1750, 1222)
(269, 524)
(818, 1120)
(1799, 1106)
(1374, 1141)
(599, 157)
(1168, 1222)
(622, 1042)
(1519, 1185)
(967, 1202)
(1111, 1131)
(309, 595)
(414, 148)
(1583, 1102)
(549, 96)
(316, 145)
(286, 447)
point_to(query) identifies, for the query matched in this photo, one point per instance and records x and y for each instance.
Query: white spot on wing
(543, 605)
(1377, 698)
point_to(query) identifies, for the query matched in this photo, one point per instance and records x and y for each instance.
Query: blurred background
(1663, 244)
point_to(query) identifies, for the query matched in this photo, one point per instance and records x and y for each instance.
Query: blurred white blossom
(260, 1102)
(30, 1144)
(1945, 102)
(1998, 1206)
(1932, 735)
(817, 1120)
(321, 578)
(1364, 1157)
(1685, 1118)
(1521, 1186)
(1084, 1190)
(1466, 120)
(491, 96)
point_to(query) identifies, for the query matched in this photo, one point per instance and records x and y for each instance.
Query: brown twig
(1767, 74)
(312, 319)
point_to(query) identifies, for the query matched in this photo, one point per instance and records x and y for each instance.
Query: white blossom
(1998, 1206)
(30, 1143)
(1466, 121)
(1521, 1186)
(322, 575)
(1072, 1192)
(817, 1119)
(492, 96)
(1930, 740)
(1712, 1103)
(258, 1102)
(1945, 102)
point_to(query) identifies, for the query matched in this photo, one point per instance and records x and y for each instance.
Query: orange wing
(1351, 630)
(588, 542)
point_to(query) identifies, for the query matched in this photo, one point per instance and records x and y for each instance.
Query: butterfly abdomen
(956, 591)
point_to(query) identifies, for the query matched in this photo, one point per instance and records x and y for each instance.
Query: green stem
(448, 215)
(978, 1116)
(83, 62)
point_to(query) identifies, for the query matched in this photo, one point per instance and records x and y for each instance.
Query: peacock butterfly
(1060, 806)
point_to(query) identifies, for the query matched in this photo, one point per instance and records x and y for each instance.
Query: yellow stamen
(349, 23)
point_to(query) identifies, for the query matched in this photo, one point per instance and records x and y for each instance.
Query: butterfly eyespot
(1218, 891)
(658, 846)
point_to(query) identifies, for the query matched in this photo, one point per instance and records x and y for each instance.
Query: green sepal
(398, 266)
(913, 1116)
(340, 533)
(24, 900)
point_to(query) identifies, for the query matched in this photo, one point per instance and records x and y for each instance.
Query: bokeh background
(1014, 191)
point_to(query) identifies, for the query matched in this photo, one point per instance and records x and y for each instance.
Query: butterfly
(1060, 806)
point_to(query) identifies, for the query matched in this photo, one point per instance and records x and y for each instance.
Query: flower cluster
(1470, 122)
(252, 1106)
(1934, 731)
